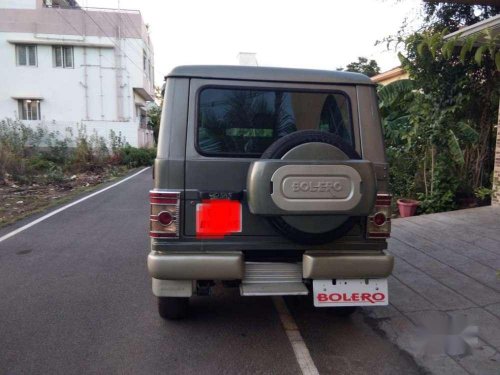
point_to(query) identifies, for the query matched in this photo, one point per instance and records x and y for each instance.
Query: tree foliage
(440, 16)
(154, 113)
(439, 128)
(154, 117)
(365, 66)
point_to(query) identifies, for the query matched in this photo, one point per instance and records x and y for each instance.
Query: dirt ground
(20, 200)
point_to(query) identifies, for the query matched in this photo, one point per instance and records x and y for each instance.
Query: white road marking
(302, 354)
(45, 217)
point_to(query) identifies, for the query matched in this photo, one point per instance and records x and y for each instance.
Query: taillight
(164, 214)
(379, 222)
(165, 218)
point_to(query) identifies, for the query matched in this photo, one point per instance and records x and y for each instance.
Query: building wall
(18, 4)
(495, 198)
(394, 79)
(100, 91)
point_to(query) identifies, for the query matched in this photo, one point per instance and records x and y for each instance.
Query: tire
(344, 311)
(284, 144)
(173, 308)
(276, 151)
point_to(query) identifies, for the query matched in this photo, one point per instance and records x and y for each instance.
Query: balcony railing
(61, 4)
(73, 4)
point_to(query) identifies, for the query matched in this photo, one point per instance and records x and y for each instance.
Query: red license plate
(216, 218)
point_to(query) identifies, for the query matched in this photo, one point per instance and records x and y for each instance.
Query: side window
(62, 56)
(335, 117)
(244, 122)
(26, 55)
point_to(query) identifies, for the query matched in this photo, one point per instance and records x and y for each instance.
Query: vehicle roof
(257, 73)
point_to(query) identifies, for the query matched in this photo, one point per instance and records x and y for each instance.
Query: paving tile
(480, 360)
(484, 213)
(466, 286)
(446, 265)
(489, 324)
(487, 243)
(494, 309)
(475, 270)
(432, 290)
(401, 330)
(466, 234)
(459, 282)
(441, 365)
(405, 299)
(413, 236)
(458, 222)
(484, 360)
(451, 242)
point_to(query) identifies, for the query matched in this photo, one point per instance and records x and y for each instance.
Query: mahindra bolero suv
(271, 180)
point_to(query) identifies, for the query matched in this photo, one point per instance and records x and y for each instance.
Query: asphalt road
(75, 298)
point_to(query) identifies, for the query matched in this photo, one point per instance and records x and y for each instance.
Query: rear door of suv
(231, 123)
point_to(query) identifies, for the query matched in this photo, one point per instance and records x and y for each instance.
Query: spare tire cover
(311, 145)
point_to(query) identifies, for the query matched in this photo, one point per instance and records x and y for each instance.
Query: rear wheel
(173, 308)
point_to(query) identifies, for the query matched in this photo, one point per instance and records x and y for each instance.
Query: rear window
(244, 122)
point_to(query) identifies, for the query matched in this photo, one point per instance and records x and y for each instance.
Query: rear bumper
(231, 265)
(196, 266)
(346, 266)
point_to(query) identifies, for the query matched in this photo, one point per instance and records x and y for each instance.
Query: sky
(316, 34)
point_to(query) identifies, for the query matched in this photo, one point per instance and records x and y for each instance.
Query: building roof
(394, 72)
(492, 23)
(254, 73)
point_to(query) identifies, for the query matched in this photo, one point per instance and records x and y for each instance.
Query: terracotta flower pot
(407, 207)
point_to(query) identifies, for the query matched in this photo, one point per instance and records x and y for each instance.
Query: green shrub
(483, 193)
(437, 202)
(90, 153)
(17, 142)
(136, 157)
(35, 155)
(42, 170)
(39, 164)
(58, 151)
(117, 141)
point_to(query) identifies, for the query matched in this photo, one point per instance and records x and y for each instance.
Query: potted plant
(407, 207)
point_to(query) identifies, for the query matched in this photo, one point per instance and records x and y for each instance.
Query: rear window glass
(244, 122)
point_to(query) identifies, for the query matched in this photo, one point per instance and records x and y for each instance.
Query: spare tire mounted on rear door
(311, 185)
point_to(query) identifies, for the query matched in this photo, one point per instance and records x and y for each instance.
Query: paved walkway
(447, 264)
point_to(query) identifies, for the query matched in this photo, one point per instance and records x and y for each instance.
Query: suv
(274, 180)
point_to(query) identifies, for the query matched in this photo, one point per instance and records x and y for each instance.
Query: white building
(63, 66)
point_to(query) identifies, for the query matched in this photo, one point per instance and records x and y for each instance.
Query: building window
(144, 60)
(63, 56)
(26, 55)
(29, 109)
